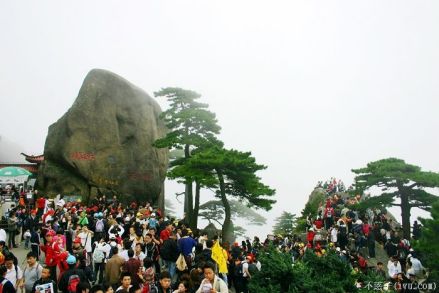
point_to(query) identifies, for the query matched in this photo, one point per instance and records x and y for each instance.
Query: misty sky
(312, 88)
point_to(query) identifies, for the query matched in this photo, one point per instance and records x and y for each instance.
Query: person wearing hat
(310, 236)
(344, 257)
(71, 273)
(49, 250)
(77, 248)
(100, 224)
(153, 223)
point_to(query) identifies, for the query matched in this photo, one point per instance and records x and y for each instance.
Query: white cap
(153, 215)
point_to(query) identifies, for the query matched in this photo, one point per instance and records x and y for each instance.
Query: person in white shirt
(417, 266)
(13, 274)
(86, 237)
(202, 240)
(393, 268)
(61, 202)
(124, 254)
(100, 267)
(125, 281)
(334, 232)
(138, 253)
(104, 247)
(2, 235)
(115, 229)
(211, 282)
(31, 273)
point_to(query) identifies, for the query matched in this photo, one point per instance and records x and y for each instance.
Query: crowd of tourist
(352, 234)
(108, 247)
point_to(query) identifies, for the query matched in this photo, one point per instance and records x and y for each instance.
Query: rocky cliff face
(104, 143)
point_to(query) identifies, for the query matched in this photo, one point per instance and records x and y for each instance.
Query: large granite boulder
(103, 144)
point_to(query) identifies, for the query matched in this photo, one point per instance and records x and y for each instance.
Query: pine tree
(428, 244)
(397, 180)
(285, 224)
(191, 125)
(229, 173)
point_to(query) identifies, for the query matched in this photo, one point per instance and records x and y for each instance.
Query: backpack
(252, 269)
(74, 280)
(100, 226)
(238, 270)
(342, 230)
(12, 225)
(98, 256)
(150, 288)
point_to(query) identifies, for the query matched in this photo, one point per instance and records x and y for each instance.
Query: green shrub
(312, 274)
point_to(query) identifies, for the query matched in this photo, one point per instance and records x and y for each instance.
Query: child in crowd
(182, 287)
(27, 237)
(45, 279)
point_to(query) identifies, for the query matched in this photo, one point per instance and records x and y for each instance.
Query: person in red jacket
(41, 205)
(366, 229)
(362, 262)
(318, 223)
(60, 254)
(328, 215)
(51, 254)
(310, 237)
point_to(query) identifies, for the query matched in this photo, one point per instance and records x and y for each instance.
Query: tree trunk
(188, 200)
(188, 197)
(161, 199)
(194, 220)
(405, 214)
(227, 229)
